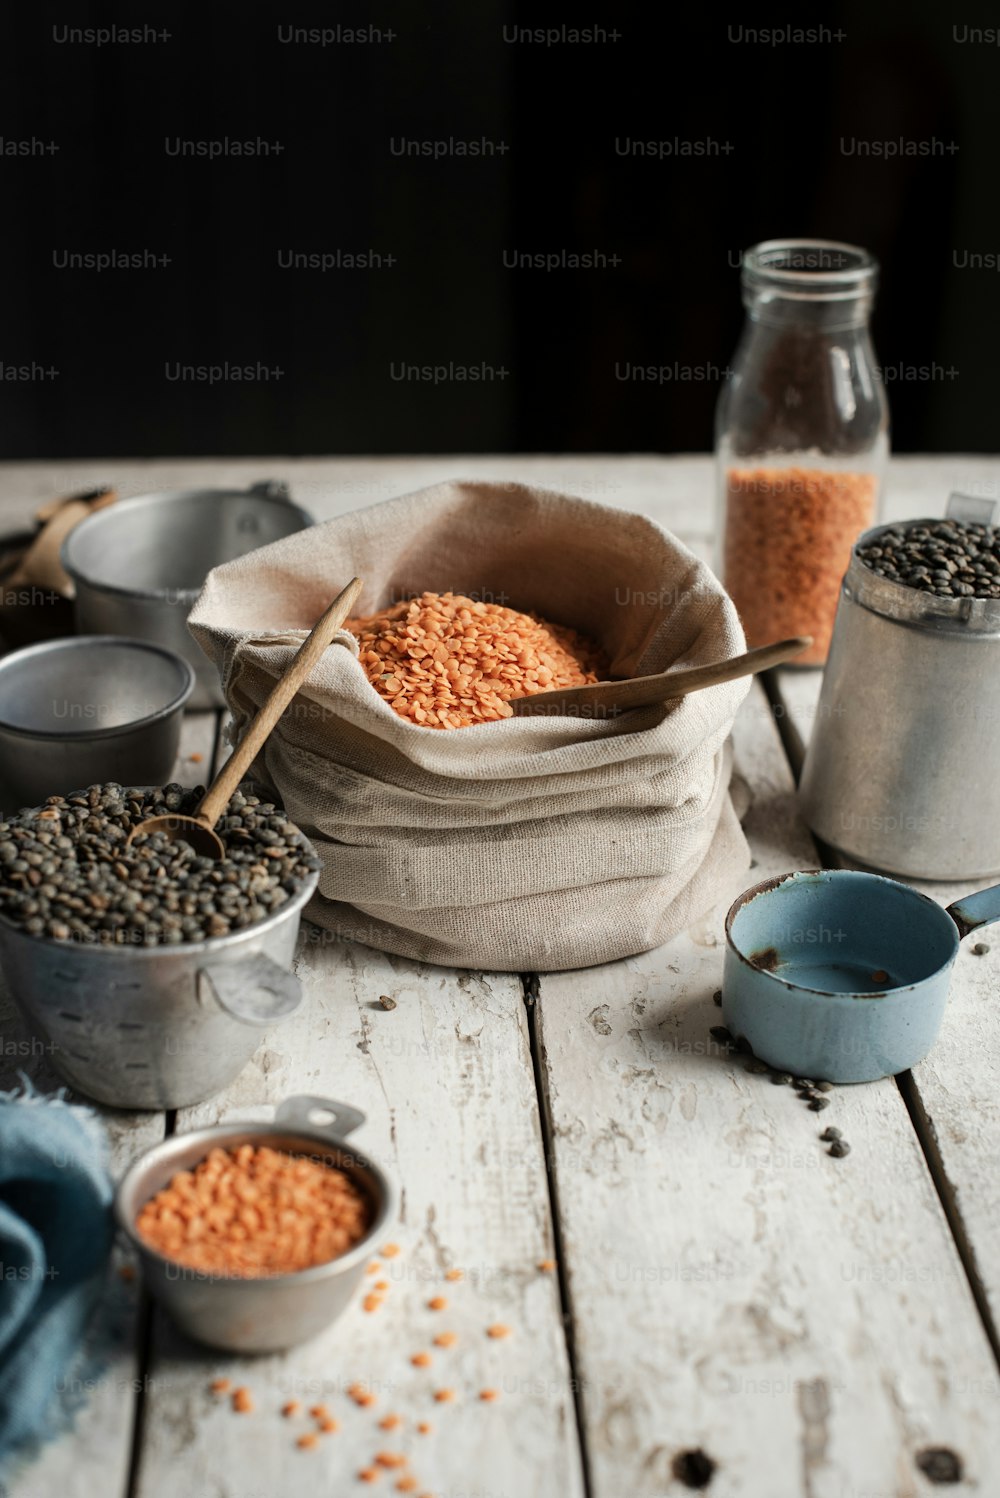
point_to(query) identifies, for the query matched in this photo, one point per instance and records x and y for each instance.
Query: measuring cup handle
(980, 909)
(334, 1119)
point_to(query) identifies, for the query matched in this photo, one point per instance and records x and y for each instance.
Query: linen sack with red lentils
(514, 844)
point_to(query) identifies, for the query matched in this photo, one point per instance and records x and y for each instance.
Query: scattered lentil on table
(446, 661)
(66, 873)
(950, 558)
(254, 1211)
(788, 539)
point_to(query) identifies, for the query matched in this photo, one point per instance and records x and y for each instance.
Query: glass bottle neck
(818, 284)
(774, 308)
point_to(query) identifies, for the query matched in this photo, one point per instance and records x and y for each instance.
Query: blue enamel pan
(841, 975)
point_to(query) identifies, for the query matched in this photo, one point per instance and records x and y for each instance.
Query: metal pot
(138, 566)
(156, 1027)
(262, 1314)
(843, 975)
(86, 710)
(900, 770)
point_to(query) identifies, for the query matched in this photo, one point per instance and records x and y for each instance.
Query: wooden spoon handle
(234, 770)
(608, 698)
(680, 683)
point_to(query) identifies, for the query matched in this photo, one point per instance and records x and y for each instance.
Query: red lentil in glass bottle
(801, 438)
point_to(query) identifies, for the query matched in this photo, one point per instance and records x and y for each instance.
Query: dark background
(678, 225)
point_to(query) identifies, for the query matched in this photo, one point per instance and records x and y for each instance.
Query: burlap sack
(529, 843)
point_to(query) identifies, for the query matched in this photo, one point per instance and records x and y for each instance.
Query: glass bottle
(801, 438)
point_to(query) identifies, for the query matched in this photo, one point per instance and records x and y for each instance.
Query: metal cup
(260, 1314)
(86, 710)
(138, 565)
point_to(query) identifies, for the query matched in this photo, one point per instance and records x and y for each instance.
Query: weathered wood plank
(958, 1084)
(94, 1458)
(803, 1320)
(446, 1081)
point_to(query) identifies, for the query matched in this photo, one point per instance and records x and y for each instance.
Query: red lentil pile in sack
(518, 843)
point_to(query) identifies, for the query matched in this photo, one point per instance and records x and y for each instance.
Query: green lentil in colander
(66, 873)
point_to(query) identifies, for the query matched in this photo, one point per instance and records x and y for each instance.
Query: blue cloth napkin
(56, 1231)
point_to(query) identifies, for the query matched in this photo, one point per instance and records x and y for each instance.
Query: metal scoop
(198, 830)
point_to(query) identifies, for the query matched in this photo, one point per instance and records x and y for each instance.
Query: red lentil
(445, 1339)
(789, 533)
(437, 1303)
(242, 1401)
(253, 1211)
(498, 1330)
(446, 661)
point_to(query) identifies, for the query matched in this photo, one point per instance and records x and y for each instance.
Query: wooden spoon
(198, 830)
(607, 699)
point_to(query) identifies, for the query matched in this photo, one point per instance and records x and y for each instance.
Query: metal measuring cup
(268, 1313)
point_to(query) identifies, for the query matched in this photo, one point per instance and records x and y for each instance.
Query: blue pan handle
(976, 910)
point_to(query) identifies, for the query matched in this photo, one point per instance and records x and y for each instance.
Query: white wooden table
(724, 1288)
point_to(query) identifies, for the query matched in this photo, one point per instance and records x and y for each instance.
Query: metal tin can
(900, 773)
